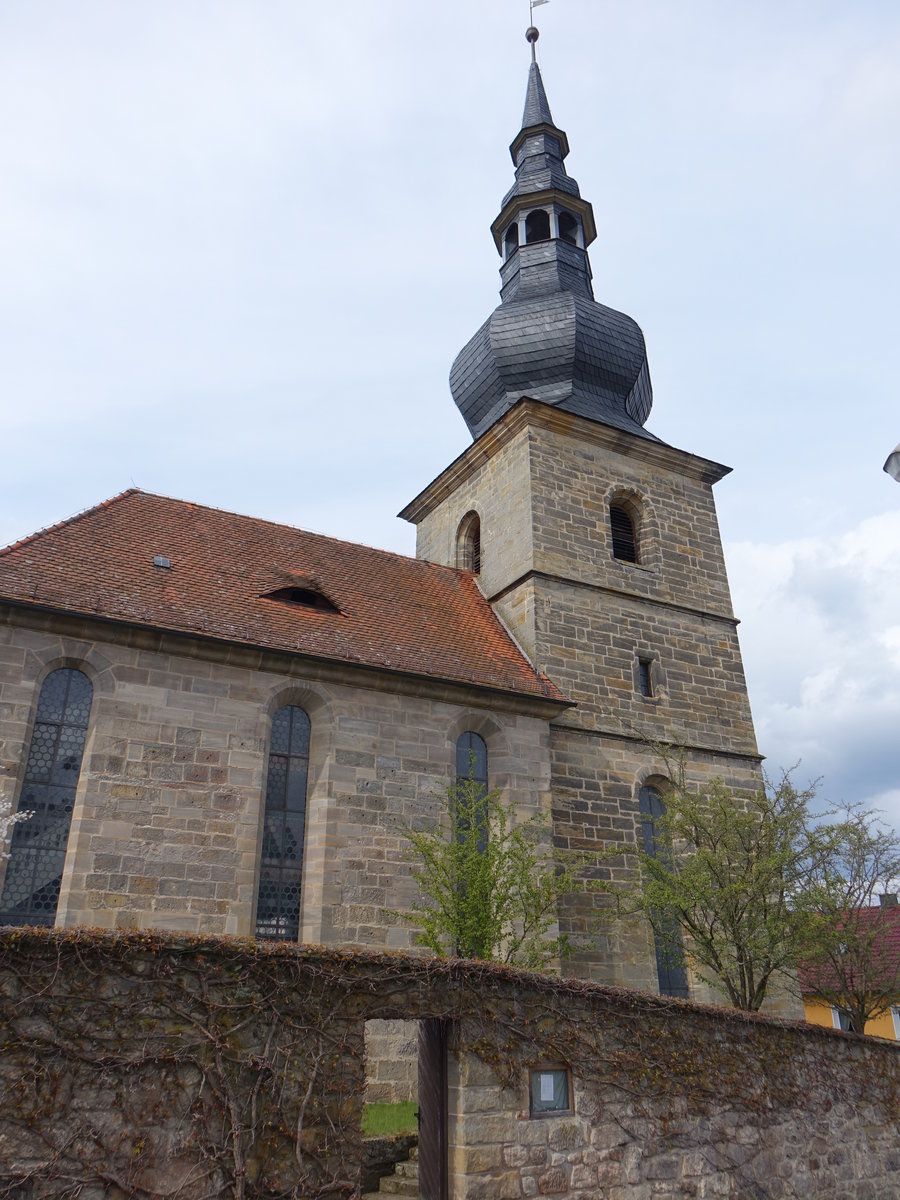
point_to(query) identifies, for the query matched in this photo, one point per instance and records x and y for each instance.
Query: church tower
(595, 542)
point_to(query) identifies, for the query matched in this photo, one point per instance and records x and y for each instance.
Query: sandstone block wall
(587, 619)
(392, 1062)
(167, 824)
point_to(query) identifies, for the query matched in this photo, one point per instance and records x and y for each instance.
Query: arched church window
(38, 850)
(624, 534)
(468, 543)
(537, 226)
(284, 827)
(511, 241)
(568, 228)
(472, 770)
(670, 967)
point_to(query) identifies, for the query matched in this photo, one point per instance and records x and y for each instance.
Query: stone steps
(403, 1182)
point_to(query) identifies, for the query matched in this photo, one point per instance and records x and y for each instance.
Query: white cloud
(821, 649)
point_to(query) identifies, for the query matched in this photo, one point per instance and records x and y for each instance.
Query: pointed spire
(537, 107)
(549, 339)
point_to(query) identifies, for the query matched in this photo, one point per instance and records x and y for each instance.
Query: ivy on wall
(141, 1065)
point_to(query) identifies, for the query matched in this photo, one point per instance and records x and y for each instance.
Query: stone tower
(595, 542)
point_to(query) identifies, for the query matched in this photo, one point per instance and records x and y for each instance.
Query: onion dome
(549, 339)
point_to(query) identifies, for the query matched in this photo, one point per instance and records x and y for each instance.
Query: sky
(241, 244)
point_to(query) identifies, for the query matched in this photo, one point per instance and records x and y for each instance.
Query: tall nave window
(38, 851)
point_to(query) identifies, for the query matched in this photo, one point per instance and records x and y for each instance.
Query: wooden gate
(433, 1172)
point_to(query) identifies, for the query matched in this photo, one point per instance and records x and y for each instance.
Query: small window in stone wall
(550, 1091)
(645, 677)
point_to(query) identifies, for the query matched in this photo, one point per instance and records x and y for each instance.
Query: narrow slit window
(38, 852)
(645, 677)
(624, 539)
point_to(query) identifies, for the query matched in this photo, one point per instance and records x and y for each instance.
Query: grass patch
(382, 1120)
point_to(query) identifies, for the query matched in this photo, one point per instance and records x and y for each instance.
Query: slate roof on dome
(394, 613)
(548, 339)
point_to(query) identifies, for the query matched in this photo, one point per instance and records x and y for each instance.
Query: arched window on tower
(472, 770)
(511, 241)
(537, 226)
(284, 827)
(670, 966)
(568, 228)
(38, 851)
(624, 533)
(468, 543)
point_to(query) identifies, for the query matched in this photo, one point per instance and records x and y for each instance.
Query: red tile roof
(881, 923)
(396, 613)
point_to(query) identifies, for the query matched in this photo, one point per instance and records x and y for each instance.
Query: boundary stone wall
(138, 1065)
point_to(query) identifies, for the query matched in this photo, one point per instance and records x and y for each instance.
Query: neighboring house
(877, 972)
(221, 724)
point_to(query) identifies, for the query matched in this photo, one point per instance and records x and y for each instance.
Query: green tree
(852, 953)
(728, 881)
(489, 887)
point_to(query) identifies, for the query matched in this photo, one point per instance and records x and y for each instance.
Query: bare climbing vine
(153, 1067)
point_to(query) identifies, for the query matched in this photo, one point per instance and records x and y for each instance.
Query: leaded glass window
(670, 966)
(284, 825)
(38, 851)
(471, 763)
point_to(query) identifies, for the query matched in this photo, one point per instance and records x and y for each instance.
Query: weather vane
(531, 33)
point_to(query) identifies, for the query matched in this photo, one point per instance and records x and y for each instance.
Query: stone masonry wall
(247, 1079)
(392, 1060)
(587, 619)
(167, 822)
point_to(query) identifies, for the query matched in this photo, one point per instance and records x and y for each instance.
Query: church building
(222, 724)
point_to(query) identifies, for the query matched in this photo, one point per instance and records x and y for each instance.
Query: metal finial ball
(532, 34)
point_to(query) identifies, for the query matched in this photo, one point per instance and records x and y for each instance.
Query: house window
(537, 226)
(624, 536)
(284, 826)
(670, 968)
(38, 851)
(550, 1090)
(895, 1014)
(468, 543)
(471, 765)
(841, 1019)
(645, 678)
(511, 241)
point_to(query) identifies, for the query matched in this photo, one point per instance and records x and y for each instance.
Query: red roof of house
(396, 613)
(882, 924)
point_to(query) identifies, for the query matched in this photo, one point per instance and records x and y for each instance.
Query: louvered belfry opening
(537, 226)
(468, 543)
(624, 537)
